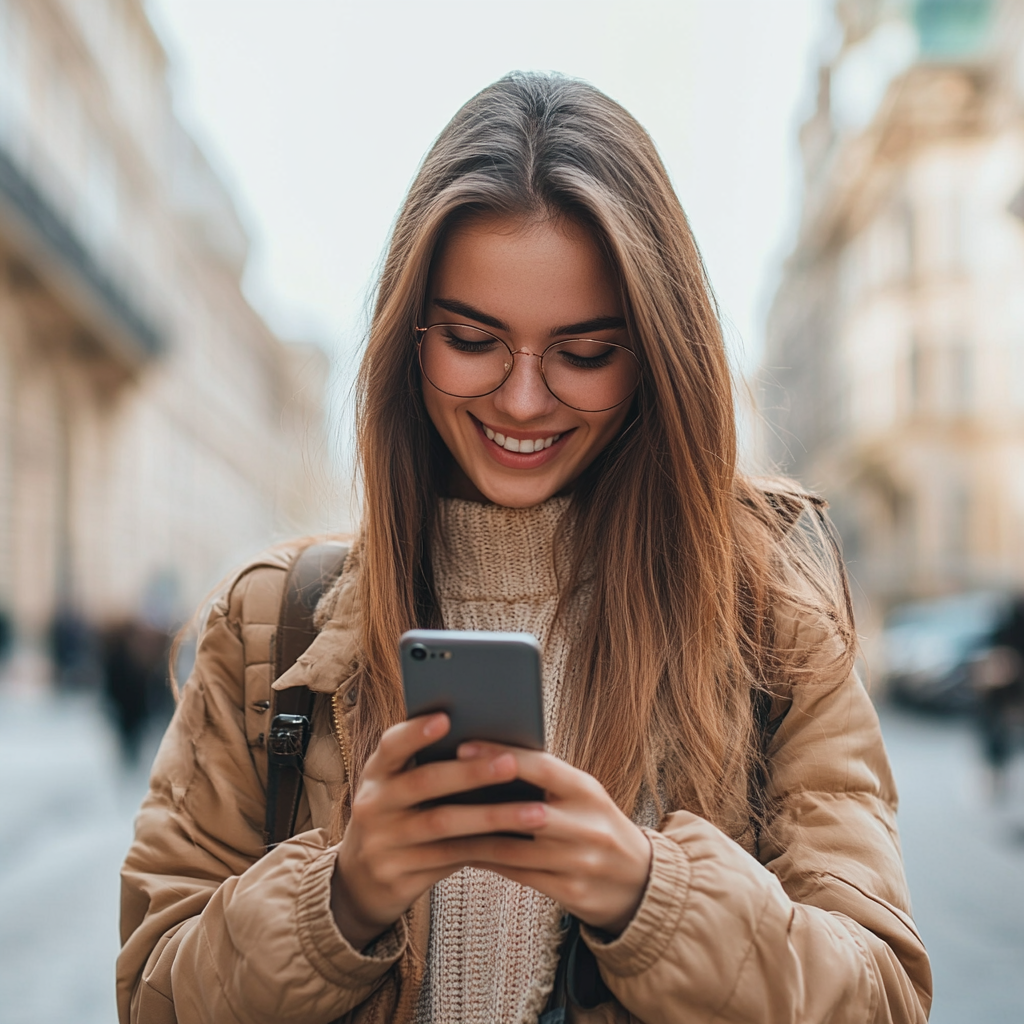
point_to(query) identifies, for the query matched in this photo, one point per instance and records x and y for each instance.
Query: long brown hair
(689, 560)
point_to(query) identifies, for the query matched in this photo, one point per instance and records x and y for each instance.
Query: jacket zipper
(340, 733)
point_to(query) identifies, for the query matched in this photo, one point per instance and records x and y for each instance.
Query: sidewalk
(965, 866)
(66, 810)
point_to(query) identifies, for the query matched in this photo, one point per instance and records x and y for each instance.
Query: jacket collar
(332, 658)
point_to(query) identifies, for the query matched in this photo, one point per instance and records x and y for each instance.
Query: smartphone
(489, 685)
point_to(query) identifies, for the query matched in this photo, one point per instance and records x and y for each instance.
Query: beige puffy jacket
(818, 929)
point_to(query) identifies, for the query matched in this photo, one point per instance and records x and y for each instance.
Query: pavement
(66, 809)
(67, 804)
(964, 856)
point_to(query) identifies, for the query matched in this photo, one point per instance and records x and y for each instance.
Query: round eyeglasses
(586, 375)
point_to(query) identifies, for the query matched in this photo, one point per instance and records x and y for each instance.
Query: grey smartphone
(489, 685)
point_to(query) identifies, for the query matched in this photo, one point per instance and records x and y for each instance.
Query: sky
(318, 112)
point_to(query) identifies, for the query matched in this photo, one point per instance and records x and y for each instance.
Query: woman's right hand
(394, 849)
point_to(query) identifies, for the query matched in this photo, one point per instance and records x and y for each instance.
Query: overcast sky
(317, 113)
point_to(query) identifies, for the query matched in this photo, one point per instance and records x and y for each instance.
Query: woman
(547, 444)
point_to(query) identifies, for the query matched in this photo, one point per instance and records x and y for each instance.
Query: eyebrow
(465, 309)
(597, 323)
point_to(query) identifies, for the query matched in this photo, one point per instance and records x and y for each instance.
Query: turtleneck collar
(490, 551)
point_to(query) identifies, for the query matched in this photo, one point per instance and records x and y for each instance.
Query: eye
(467, 339)
(584, 354)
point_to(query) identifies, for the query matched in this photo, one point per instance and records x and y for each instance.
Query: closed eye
(482, 343)
(584, 354)
(587, 362)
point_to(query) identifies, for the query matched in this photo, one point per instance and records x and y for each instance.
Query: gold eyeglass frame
(421, 333)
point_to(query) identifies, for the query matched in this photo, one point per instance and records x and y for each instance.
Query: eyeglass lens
(587, 375)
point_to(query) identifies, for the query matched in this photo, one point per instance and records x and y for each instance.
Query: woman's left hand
(586, 854)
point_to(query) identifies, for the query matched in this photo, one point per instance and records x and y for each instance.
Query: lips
(524, 445)
(545, 447)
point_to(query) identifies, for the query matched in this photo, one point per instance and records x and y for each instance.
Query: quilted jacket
(811, 926)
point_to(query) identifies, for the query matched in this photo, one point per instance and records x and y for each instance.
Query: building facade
(894, 367)
(153, 431)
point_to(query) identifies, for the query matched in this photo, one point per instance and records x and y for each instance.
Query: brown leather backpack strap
(313, 571)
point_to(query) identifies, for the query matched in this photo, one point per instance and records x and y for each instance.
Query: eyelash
(460, 345)
(587, 362)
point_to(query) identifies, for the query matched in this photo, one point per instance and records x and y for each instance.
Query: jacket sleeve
(212, 932)
(818, 929)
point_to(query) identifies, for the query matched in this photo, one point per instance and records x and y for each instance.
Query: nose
(524, 395)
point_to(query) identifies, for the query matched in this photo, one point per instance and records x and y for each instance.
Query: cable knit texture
(494, 943)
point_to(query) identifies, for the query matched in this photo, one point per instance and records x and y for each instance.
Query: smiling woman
(547, 444)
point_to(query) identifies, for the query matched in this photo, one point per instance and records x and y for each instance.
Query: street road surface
(66, 806)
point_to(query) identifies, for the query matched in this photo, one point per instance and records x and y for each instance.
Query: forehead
(531, 273)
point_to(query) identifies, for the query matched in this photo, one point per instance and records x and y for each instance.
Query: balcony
(45, 240)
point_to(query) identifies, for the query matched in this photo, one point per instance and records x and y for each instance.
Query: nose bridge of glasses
(519, 372)
(525, 383)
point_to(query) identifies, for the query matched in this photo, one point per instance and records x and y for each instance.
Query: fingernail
(532, 815)
(503, 765)
(468, 750)
(435, 726)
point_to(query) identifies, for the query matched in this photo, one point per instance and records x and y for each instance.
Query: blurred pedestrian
(135, 680)
(74, 650)
(6, 635)
(998, 679)
(548, 444)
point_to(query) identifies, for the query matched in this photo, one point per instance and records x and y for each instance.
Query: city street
(67, 805)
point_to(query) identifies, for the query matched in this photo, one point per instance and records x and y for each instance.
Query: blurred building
(152, 429)
(894, 368)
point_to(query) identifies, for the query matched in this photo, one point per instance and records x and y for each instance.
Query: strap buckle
(287, 739)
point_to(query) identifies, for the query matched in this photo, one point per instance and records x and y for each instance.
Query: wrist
(357, 929)
(632, 892)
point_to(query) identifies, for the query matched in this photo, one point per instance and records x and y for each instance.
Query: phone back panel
(489, 684)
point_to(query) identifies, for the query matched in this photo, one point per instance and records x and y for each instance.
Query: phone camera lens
(418, 652)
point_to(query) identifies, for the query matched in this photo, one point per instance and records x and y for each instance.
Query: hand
(586, 854)
(394, 849)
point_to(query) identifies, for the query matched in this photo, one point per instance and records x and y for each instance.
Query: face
(530, 283)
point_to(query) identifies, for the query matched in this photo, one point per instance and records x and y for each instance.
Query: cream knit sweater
(493, 943)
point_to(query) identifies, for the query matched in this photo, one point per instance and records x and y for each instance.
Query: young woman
(547, 444)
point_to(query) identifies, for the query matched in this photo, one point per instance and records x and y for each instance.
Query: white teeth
(514, 444)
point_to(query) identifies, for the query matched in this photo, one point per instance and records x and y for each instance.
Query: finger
(559, 779)
(443, 778)
(455, 821)
(439, 858)
(500, 852)
(402, 741)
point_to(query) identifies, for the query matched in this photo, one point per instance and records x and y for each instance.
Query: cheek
(450, 421)
(439, 409)
(602, 431)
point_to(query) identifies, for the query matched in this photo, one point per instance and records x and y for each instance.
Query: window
(100, 195)
(1015, 381)
(961, 382)
(908, 225)
(14, 101)
(953, 230)
(958, 526)
(918, 398)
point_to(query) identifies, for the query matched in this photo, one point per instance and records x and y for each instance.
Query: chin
(517, 494)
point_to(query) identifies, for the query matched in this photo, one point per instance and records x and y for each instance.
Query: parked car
(931, 646)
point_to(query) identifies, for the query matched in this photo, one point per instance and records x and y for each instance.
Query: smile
(515, 444)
